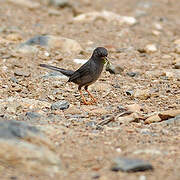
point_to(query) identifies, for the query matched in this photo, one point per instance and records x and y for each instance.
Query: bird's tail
(63, 71)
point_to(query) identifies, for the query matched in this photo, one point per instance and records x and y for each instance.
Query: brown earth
(85, 151)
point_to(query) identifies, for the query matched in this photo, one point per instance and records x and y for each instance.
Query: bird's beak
(106, 60)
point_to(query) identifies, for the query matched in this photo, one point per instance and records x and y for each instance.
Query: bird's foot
(89, 102)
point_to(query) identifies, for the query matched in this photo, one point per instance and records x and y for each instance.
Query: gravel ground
(146, 55)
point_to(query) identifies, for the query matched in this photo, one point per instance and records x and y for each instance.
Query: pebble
(177, 42)
(132, 74)
(142, 94)
(150, 48)
(156, 33)
(142, 177)
(145, 131)
(130, 92)
(169, 114)
(60, 105)
(177, 65)
(130, 165)
(19, 72)
(152, 119)
(14, 37)
(114, 69)
(158, 26)
(33, 115)
(177, 49)
(59, 3)
(14, 80)
(106, 15)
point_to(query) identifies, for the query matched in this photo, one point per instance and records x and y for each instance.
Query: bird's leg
(92, 97)
(82, 96)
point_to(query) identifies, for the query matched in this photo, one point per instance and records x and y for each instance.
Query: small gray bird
(87, 74)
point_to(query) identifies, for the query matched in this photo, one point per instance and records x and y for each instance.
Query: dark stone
(11, 129)
(132, 74)
(60, 105)
(129, 92)
(14, 80)
(130, 165)
(41, 40)
(33, 115)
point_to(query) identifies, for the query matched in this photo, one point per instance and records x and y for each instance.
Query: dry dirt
(85, 151)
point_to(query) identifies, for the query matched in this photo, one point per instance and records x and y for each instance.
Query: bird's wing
(84, 70)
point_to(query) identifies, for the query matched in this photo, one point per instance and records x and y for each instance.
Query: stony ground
(137, 114)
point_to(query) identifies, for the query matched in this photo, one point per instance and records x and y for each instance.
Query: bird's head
(100, 53)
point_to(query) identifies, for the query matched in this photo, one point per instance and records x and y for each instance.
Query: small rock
(130, 92)
(156, 33)
(26, 3)
(177, 65)
(59, 3)
(14, 37)
(21, 73)
(130, 165)
(145, 131)
(14, 80)
(158, 26)
(142, 177)
(150, 48)
(177, 42)
(132, 74)
(177, 49)
(107, 16)
(169, 114)
(152, 119)
(114, 69)
(33, 115)
(60, 105)
(142, 94)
